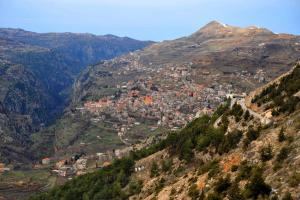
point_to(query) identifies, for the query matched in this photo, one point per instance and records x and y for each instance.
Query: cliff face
(37, 72)
(24, 106)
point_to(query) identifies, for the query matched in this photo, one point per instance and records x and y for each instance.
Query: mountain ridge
(53, 61)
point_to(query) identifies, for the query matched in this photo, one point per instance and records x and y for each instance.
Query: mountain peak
(215, 28)
(215, 23)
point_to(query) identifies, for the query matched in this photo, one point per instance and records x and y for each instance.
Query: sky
(155, 20)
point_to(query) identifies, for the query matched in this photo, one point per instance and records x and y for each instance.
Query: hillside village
(156, 98)
(171, 106)
(239, 152)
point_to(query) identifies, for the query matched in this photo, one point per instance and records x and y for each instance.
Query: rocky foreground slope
(126, 99)
(237, 157)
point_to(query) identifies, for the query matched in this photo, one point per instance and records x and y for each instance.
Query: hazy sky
(147, 19)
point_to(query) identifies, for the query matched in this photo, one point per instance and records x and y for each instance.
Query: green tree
(166, 165)
(234, 192)
(283, 154)
(256, 185)
(222, 184)
(281, 136)
(194, 192)
(246, 115)
(154, 169)
(266, 153)
(186, 152)
(135, 187)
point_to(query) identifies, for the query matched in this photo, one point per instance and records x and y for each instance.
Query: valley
(36, 75)
(160, 120)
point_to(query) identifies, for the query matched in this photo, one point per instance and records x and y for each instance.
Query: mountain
(122, 101)
(240, 151)
(83, 48)
(37, 72)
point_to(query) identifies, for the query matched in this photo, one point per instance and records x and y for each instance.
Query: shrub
(253, 134)
(287, 196)
(194, 192)
(186, 152)
(234, 192)
(154, 169)
(214, 170)
(230, 141)
(266, 153)
(246, 115)
(234, 168)
(236, 111)
(283, 154)
(244, 170)
(256, 185)
(281, 136)
(166, 165)
(135, 187)
(294, 180)
(212, 165)
(214, 196)
(222, 184)
(159, 185)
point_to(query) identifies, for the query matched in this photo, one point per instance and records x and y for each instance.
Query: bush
(283, 154)
(266, 153)
(294, 180)
(244, 171)
(222, 184)
(246, 115)
(214, 170)
(214, 196)
(234, 168)
(287, 196)
(194, 192)
(135, 187)
(281, 136)
(230, 141)
(166, 165)
(212, 137)
(236, 111)
(252, 134)
(212, 165)
(159, 185)
(154, 169)
(234, 192)
(256, 185)
(186, 152)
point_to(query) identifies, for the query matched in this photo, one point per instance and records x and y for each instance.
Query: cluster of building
(81, 164)
(167, 95)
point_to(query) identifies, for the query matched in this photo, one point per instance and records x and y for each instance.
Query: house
(66, 171)
(60, 164)
(46, 161)
(80, 164)
(3, 168)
